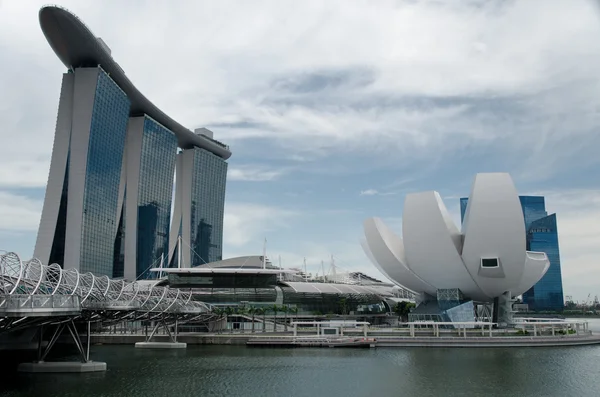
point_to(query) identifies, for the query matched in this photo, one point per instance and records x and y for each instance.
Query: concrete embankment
(517, 341)
(455, 341)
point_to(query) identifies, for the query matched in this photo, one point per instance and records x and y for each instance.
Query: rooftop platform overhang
(76, 46)
(216, 271)
(331, 288)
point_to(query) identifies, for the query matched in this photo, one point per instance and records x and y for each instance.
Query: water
(241, 371)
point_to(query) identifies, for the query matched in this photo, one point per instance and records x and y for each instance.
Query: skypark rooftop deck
(76, 46)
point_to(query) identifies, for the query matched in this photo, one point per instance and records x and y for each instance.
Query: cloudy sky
(335, 110)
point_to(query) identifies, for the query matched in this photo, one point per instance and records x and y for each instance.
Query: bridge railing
(27, 303)
(33, 283)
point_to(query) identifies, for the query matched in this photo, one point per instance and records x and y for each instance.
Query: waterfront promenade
(380, 341)
(568, 333)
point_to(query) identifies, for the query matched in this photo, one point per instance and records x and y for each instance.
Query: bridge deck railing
(32, 285)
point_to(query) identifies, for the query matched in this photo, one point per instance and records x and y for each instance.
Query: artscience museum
(452, 271)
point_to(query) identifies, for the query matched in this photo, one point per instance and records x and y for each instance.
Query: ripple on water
(237, 370)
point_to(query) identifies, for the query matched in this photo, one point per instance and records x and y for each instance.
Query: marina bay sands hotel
(109, 206)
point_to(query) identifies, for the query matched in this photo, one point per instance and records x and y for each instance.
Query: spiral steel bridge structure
(32, 294)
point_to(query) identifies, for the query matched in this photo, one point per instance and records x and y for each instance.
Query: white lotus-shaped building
(486, 260)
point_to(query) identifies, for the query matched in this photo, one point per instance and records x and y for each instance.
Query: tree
(403, 308)
(293, 310)
(285, 309)
(252, 311)
(228, 312)
(262, 311)
(343, 305)
(219, 312)
(241, 311)
(274, 309)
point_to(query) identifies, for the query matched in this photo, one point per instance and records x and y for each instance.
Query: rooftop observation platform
(76, 46)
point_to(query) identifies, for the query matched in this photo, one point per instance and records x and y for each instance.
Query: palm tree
(285, 309)
(274, 309)
(263, 311)
(228, 312)
(252, 311)
(343, 305)
(294, 311)
(241, 311)
(219, 312)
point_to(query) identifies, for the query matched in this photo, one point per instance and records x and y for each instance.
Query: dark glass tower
(542, 236)
(151, 156)
(80, 216)
(108, 200)
(199, 208)
(208, 201)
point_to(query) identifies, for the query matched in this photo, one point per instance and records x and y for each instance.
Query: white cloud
(253, 174)
(247, 223)
(24, 172)
(369, 192)
(19, 213)
(417, 78)
(375, 192)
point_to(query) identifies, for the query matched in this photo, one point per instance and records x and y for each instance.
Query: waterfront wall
(381, 341)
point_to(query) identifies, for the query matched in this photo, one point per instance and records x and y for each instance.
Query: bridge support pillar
(85, 365)
(170, 344)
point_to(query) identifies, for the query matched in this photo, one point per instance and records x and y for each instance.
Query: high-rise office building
(542, 236)
(199, 206)
(107, 207)
(79, 217)
(150, 158)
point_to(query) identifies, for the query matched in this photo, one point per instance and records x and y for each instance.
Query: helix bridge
(33, 294)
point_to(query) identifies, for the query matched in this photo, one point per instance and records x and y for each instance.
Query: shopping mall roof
(331, 288)
(218, 270)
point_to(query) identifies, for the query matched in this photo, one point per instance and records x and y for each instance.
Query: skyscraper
(199, 206)
(542, 236)
(150, 157)
(108, 199)
(79, 217)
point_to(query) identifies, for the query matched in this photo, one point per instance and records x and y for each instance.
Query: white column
(133, 147)
(58, 168)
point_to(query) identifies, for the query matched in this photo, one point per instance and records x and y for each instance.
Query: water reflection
(231, 370)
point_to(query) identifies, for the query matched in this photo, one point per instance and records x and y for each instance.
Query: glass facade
(542, 236)
(108, 129)
(547, 294)
(155, 191)
(462, 313)
(327, 303)
(207, 207)
(222, 280)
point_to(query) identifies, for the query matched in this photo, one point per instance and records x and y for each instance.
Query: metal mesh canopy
(98, 295)
(330, 288)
